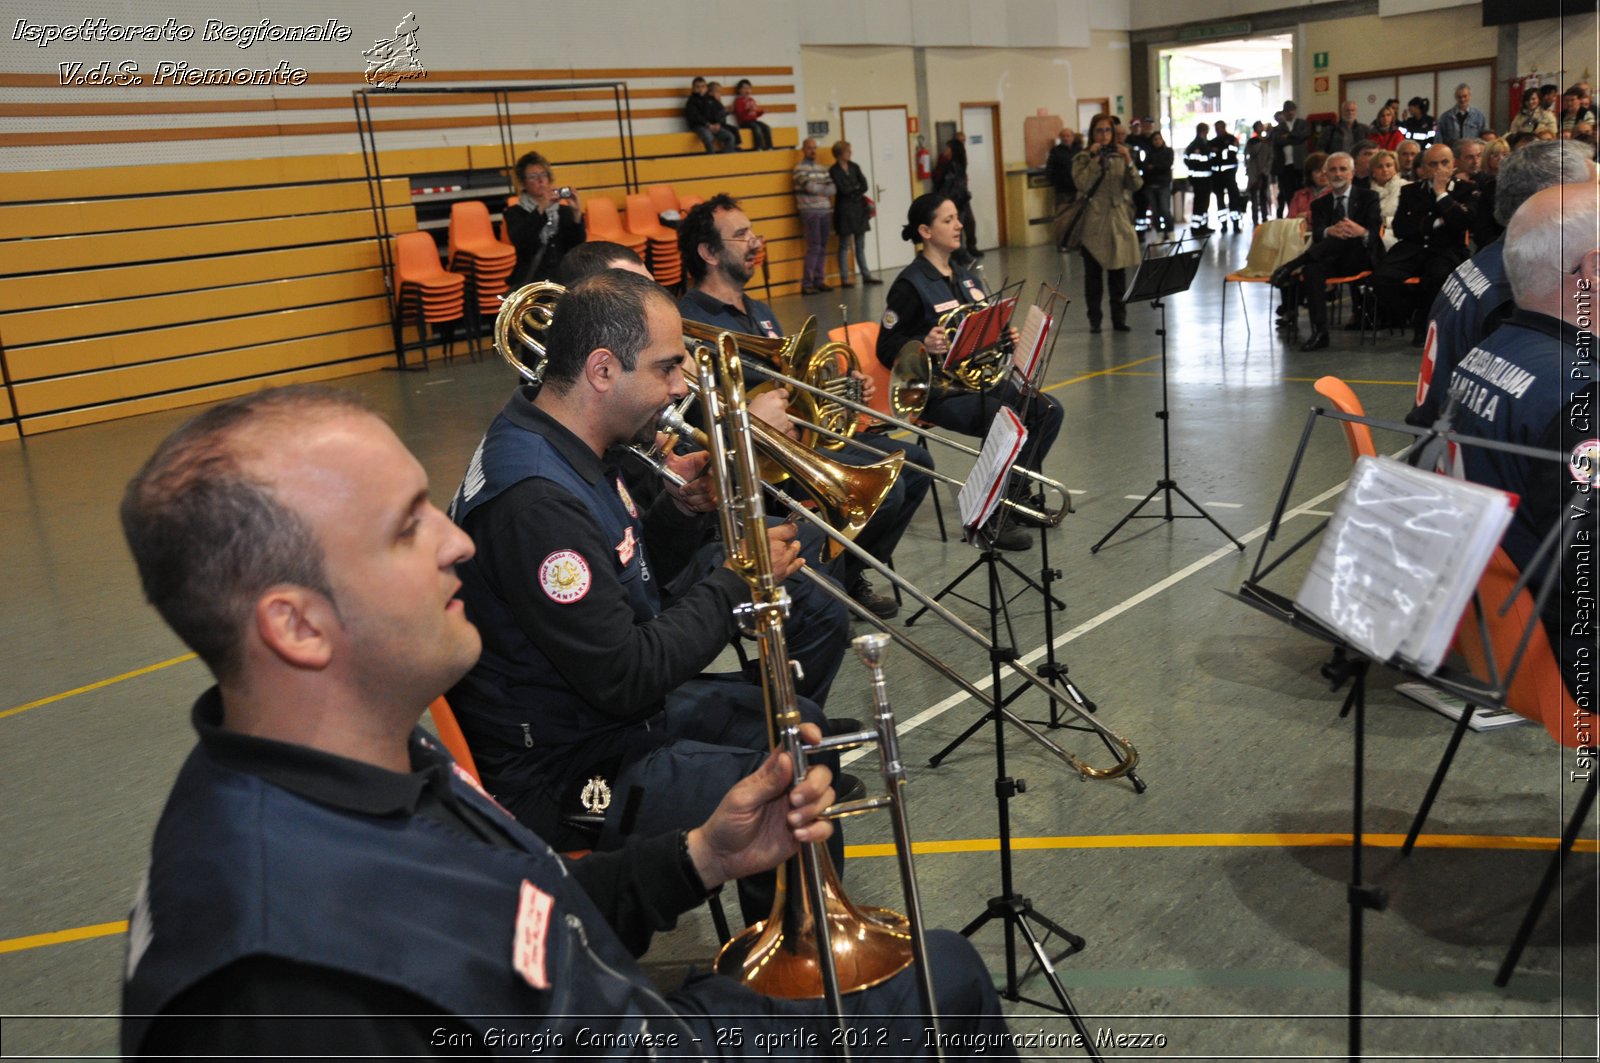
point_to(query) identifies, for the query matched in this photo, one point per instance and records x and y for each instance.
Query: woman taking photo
(851, 214)
(1106, 174)
(541, 227)
(930, 287)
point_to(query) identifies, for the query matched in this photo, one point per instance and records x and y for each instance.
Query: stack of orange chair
(661, 255)
(485, 261)
(424, 291)
(665, 199)
(604, 223)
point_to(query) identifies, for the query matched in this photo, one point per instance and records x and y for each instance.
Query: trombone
(1127, 757)
(814, 932)
(1048, 517)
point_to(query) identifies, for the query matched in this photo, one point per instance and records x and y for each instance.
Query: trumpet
(827, 369)
(816, 941)
(1048, 517)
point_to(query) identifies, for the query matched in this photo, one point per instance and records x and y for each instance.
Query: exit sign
(1319, 60)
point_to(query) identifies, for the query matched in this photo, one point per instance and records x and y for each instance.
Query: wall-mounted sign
(1213, 30)
(1319, 60)
(1319, 84)
(817, 129)
(913, 124)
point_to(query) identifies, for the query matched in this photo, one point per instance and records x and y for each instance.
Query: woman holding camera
(544, 224)
(1108, 177)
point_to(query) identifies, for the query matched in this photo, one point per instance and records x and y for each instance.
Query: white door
(982, 179)
(1369, 94)
(882, 148)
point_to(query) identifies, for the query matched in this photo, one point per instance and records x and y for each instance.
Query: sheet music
(1400, 559)
(986, 484)
(1035, 330)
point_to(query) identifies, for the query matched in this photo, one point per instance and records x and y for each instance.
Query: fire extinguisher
(924, 161)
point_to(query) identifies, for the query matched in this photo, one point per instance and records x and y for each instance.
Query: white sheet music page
(1400, 559)
(986, 484)
(1035, 330)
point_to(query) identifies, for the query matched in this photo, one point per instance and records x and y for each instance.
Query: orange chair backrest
(1358, 436)
(444, 721)
(603, 214)
(863, 339)
(1538, 690)
(663, 197)
(469, 224)
(643, 218)
(416, 255)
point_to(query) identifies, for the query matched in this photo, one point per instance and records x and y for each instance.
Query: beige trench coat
(1108, 227)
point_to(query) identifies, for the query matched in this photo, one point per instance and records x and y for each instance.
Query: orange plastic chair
(605, 223)
(424, 291)
(863, 340)
(663, 259)
(1272, 243)
(1358, 436)
(444, 721)
(664, 198)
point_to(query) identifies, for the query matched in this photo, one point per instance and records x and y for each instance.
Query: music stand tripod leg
(1010, 907)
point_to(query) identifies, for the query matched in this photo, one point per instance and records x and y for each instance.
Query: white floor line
(939, 708)
(1225, 505)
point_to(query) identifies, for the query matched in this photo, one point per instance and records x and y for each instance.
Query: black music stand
(1350, 664)
(1166, 270)
(1012, 908)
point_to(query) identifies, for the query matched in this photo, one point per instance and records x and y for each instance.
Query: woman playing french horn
(926, 291)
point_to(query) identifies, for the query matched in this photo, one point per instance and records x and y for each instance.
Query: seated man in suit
(1433, 220)
(1345, 239)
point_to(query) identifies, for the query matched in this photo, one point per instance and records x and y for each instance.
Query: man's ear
(601, 369)
(297, 625)
(707, 254)
(1589, 266)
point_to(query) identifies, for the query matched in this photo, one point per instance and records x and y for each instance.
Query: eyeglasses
(747, 238)
(537, 175)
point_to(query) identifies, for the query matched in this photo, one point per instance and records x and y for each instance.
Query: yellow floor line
(1089, 841)
(1226, 841)
(1104, 372)
(146, 670)
(1293, 379)
(61, 937)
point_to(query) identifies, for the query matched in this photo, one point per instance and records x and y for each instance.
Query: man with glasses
(1431, 224)
(719, 248)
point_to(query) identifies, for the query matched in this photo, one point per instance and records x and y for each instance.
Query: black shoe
(806, 289)
(1283, 276)
(1120, 326)
(884, 608)
(847, 284)
(1317, 341)
(1028, 519)
(842, 725)
(824, 287)
(870, 280)
(1094, 327)
(847, 787)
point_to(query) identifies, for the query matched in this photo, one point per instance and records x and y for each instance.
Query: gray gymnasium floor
(1213, 904)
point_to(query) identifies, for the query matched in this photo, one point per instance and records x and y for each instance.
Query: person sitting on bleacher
(708, 120)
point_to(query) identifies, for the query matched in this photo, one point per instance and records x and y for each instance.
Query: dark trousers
(1200, 211)
(1409, 258)
(882, 533)
(1334, 257)
(971, 413)
(1094, 287)
(1289, 180)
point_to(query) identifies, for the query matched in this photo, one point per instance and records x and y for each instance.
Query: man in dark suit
(1435, 215)
(1345, 239)
(1289, 139)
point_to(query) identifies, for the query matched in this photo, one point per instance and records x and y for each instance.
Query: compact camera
(564, 192)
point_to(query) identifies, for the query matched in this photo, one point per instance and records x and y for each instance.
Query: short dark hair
(699, 227)
(208, 538)
(605, 309)
(532, 158)
(590, 258)
(1364, 145)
